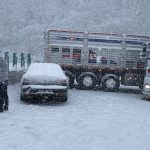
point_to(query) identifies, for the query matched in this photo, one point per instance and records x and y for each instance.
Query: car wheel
(87, 81)
(143, 97)
(111, 84)
(65, 99)
(22, 98)
(25, 98)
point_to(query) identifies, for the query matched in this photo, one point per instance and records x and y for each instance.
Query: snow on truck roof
(45, 69)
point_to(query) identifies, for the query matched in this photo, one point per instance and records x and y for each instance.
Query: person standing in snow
(3, 85)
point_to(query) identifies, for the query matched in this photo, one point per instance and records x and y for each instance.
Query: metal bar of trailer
(99, 33)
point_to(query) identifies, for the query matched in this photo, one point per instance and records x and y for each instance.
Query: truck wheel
(111, 84)
(70, 78)
(87, 81)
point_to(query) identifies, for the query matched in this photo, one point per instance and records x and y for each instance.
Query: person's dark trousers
(3, 97)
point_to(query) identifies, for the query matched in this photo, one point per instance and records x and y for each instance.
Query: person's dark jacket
(3, 70)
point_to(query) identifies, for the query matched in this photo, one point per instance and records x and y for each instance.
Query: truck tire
(71, 78)
(87, 81)
(111, 84)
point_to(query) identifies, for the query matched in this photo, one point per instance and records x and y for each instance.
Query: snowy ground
(90, 120)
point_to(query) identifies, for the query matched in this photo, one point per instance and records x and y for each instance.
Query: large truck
(98, 59)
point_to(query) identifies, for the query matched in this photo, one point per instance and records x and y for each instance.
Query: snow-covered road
(90, 120)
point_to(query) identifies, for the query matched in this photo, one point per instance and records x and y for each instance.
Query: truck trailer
(98, 59)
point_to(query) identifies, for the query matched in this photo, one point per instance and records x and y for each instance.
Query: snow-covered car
(44, 82)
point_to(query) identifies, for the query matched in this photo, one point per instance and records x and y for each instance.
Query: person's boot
(6, 107)
(1, 110)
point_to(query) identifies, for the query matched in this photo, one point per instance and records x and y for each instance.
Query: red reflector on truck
(148, 71)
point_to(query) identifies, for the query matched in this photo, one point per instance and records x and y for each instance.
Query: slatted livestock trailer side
(91, 59)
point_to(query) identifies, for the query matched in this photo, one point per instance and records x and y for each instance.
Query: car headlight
(147, 86)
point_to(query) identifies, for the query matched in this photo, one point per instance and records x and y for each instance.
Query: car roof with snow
(50, 70)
